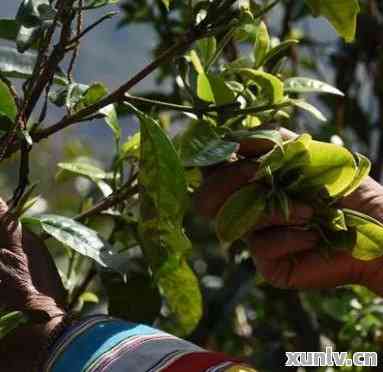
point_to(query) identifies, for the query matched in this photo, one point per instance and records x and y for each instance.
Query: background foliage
(239, 316)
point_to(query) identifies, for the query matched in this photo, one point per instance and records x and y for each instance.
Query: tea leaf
(307, 85)
(369, 235)
(241, 212)
(212, 88)
(201, 146)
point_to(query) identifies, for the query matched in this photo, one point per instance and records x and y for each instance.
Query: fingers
(309, 270)
(299, 215)
(254, 148)
(368, 199)
(289, 257)
(278, 242)
(220, 185)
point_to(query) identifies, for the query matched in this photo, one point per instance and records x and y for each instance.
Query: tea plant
(225, 104)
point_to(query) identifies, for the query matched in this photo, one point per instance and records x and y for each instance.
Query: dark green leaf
(163, 202)
(76, 236)
(33, 16)
(17, 65)
(8, 29)
(201, 146)
(27, 37)
(278, 52)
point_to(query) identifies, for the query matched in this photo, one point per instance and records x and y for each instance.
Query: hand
(287, 254)
(29, 282)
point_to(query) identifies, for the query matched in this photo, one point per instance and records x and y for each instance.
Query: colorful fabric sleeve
(101, 343)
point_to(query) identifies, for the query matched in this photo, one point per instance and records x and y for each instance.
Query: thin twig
(23, 174)
(175, 107)
(113, 199)
(76, 48)
(79, 36)
(82, 287)
(119, 94)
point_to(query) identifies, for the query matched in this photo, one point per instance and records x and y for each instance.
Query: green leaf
(26, 37)
(8, 29)
(32, 13)
(76, 236)
(131, 147)
(294, 155)
(260, 137)
(183, 298)
(201, 146)
(7, 103)
(331, 218)
(302, 104)
(111, 119)
(369, 235)
(32, 16)
(278, 52)
(271, 87)
(331, 167)
(94, 93)
(163, 202)
(73, 94)
(212, 88)
(85, 169)
(262, 44)
(206, 49)
(307, 85)
(9, 321)
(17, 65)
(167, 3)
(363, 170)
(342, 14)
(240, 214)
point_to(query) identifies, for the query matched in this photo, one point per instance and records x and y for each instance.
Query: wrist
(24, 347)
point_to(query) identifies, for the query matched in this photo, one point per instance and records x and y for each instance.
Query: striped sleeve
(101, 343)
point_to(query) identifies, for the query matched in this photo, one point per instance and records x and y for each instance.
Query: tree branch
(77, 38)
(123, 193)
(118, 95)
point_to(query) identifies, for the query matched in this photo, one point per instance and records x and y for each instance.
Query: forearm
(21, 350)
